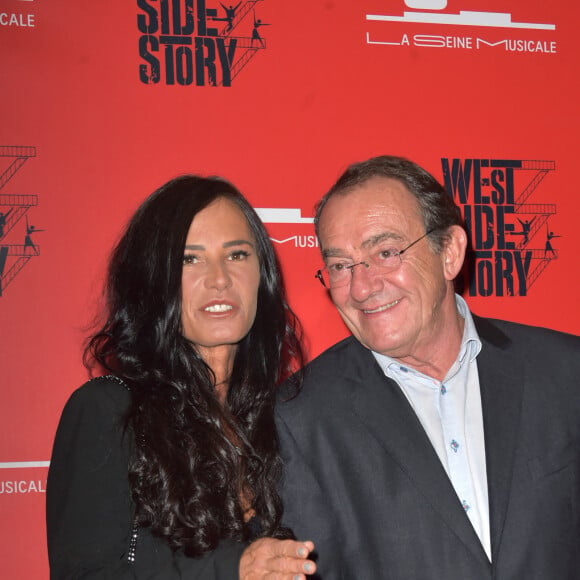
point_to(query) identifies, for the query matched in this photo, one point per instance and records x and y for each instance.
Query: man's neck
(438, 355)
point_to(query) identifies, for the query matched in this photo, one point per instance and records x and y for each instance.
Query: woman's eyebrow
(238, 243)
(200, 247)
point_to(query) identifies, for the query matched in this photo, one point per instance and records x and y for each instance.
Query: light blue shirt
(450, 412)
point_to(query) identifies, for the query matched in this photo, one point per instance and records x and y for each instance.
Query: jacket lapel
(382, 407)
(502, 384)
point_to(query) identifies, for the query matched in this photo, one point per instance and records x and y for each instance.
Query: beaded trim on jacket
(132, 550)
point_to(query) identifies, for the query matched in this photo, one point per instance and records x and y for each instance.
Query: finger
(281, 576)
(309, 545)
(290, 565)
(285, 576)
(268, 558)
(292, 548)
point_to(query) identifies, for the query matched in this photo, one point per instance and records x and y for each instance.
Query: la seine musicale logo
(432, 24)
(196, 42)
(512, 239)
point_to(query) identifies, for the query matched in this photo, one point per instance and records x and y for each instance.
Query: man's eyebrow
(200, 247)
(368, 243)
(332, 253)
(378, 238)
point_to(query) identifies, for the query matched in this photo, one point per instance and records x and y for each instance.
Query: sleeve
(306, 504)
(89, 511)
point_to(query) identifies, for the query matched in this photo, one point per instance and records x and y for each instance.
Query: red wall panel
(83, 140)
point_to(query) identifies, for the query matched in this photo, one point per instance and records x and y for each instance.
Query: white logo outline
(464, 18)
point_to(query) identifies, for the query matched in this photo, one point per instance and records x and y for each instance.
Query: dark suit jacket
(364, 483)
(89, 511)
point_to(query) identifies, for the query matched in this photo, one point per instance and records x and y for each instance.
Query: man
(431, 444)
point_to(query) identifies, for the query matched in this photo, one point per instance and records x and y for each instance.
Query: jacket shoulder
(106, 395)
(344, 359)
(531, 339)
(330, 374)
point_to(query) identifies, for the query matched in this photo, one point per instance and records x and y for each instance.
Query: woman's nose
(217, 276)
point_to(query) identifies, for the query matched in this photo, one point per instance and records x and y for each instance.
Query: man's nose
(364, 281)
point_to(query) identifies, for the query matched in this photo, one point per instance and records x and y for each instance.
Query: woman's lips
(218, 307)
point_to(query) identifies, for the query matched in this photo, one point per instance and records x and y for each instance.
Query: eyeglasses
(383, 260)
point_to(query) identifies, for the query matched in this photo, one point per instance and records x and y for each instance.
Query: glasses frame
(319, 273)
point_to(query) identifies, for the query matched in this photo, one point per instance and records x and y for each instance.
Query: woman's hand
(270, 559)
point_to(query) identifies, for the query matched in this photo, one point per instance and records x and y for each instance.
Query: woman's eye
(189, 259)
(239, 255)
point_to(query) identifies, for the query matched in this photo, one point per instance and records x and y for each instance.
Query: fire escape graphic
(13, 208)
(538, 223)
(247, 46)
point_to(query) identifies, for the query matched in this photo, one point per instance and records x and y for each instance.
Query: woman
(166, 467)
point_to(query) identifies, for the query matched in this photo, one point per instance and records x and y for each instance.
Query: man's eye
(386, 254)
(336, 268)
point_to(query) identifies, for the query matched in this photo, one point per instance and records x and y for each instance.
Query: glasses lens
(383, 260)
(336, 279)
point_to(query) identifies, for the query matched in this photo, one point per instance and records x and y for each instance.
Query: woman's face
(220, 279)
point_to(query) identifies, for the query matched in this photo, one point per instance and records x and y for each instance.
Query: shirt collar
(470, 343)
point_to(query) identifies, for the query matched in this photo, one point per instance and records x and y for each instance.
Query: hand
(270, 559)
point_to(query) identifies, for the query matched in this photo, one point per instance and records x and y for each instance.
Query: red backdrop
(102, 102)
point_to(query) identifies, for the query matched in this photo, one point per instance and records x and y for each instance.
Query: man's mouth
(382, 308)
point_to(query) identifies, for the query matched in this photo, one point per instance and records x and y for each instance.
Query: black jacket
(365, 484)
(89, 510)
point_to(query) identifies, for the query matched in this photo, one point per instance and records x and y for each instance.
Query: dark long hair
(193, 457)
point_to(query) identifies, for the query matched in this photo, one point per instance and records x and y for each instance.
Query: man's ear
(454, 251)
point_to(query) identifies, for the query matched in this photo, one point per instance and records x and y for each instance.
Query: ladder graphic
(248, 45)
(13, 207)
(22, 254)
(241, 13)
(542, 168)
(540, 261)
(21, 156)
(541, 212)
(19, 205)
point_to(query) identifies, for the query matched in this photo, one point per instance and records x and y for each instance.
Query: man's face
(403, 312)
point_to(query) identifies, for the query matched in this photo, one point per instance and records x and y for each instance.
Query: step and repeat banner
(102, 102)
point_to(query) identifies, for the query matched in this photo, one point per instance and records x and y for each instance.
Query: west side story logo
(512, 239)
(496, 30)
(187, 42)
(17, 233)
